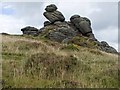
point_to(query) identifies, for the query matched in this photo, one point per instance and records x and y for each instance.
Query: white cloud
(10, 24)
(7, 6)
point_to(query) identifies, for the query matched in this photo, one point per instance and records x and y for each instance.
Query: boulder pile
(57, 29)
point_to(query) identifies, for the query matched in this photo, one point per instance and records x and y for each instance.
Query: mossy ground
(34, 62)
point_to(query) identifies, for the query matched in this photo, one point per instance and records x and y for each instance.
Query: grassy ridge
(39, 63)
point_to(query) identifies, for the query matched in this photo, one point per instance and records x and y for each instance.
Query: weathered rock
(91, 36)
(52, 15)
(87, 20)
(59, 31)
(30, 31)
(105, 47)
(51, 8)
(76, 31)
(46, 23)
(104, 44)
(56, 36)
(83, 24)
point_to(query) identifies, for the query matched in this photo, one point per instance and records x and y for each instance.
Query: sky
(103, 15)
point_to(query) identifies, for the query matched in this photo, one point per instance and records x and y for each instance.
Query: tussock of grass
(15, 56)
(83, 41)
(71, 47)
(50, 65)
(34, 62)
(26, 45)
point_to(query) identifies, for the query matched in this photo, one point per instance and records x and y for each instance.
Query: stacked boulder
(76, 25)
(52, 14)
(57, 29)
(83, 25)
(56, 19)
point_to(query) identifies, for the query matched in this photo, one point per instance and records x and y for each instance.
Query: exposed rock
(51, 8)
(105, 47)
(83, 25)
(56, 36)
(46, 23)
(52, 14)
(104, 44)
(30, 31)
(76, 31)
(59, 31)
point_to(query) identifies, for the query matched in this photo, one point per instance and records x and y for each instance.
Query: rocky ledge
(76, 31)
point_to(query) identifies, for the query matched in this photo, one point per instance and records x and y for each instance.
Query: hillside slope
(33, 62)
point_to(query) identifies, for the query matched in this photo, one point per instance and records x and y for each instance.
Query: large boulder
(83, 24)
(52, 14)
(30, 31)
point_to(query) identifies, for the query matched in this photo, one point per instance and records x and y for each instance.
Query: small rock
(46, 23)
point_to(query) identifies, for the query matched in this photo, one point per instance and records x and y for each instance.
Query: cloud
(11, 25)
(107, 15)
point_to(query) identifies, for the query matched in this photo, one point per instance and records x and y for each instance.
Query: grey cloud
(30, 12)
(108, 16)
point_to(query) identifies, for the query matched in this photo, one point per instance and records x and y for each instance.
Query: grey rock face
(105, 47)
(30, 31)
(46, 23)
(52, 14)
(87, 20)
(61, 31)
(56, 36)
(51, 8)
(104, 44)
(81, 24)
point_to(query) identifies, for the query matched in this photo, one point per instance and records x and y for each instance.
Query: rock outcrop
(78, 30)
(104, 46)
(30, 31)
(83, 25)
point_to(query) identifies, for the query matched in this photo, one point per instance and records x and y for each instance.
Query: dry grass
(40, 63)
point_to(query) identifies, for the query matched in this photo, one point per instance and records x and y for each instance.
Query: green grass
(34, 62)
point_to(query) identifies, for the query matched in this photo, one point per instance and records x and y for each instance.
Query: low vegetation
(34, 62)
